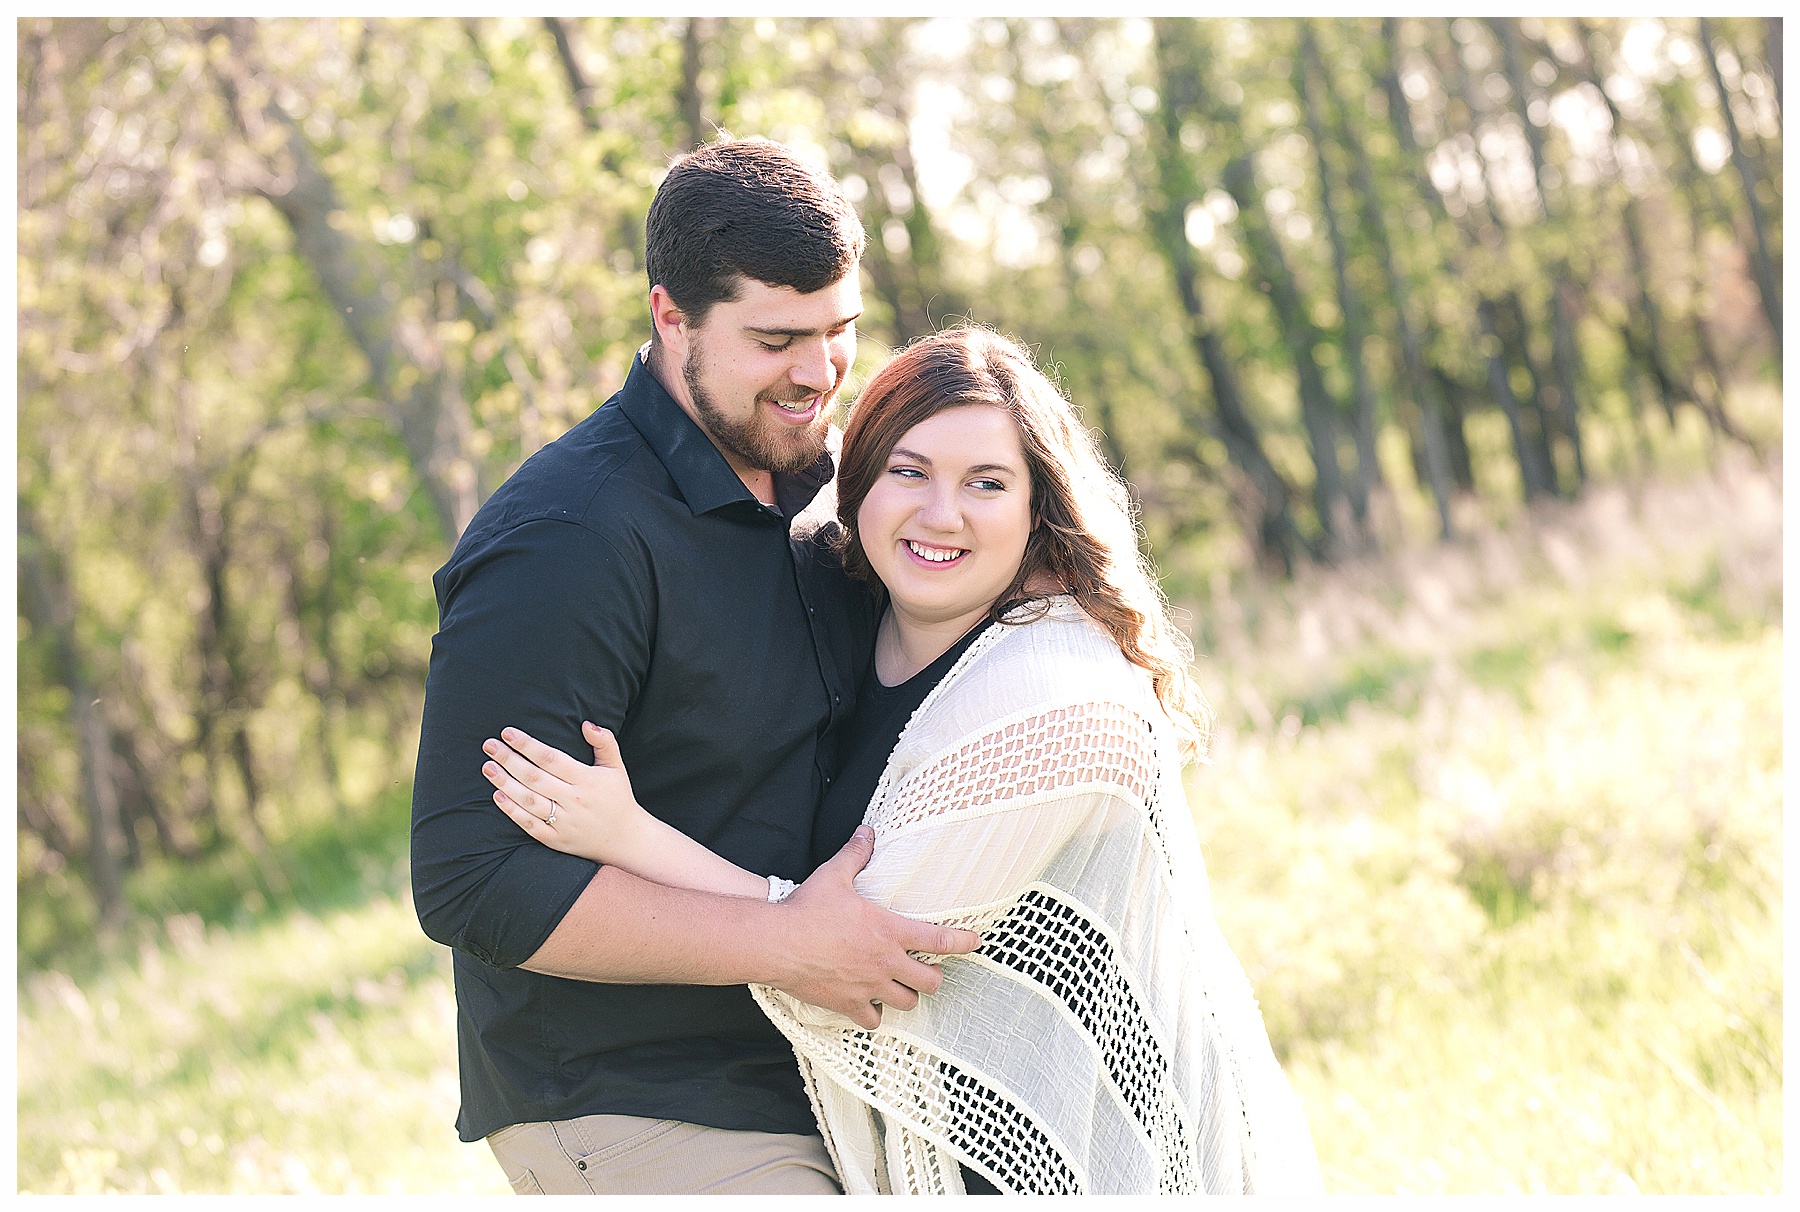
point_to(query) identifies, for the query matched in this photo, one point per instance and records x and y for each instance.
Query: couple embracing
(881, 877)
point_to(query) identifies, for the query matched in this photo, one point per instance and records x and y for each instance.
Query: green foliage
(328, 866)
(249, 520)
(1383, 677)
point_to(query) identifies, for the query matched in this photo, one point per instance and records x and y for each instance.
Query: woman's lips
(933, 556)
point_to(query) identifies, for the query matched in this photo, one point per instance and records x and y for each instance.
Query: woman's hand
(579, 809)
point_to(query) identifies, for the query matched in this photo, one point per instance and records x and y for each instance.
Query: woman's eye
(985, 485)
(907, 473)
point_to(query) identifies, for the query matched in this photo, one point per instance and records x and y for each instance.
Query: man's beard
(758, 440)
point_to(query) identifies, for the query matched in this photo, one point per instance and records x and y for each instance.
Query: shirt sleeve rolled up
(541, 626)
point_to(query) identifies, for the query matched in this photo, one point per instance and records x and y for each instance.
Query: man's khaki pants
(626, 1155)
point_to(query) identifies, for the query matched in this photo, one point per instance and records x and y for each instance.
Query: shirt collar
(701, 474)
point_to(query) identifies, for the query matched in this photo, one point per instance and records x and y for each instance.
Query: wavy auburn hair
(1084, 537)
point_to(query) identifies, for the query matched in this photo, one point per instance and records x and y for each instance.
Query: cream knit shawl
(1104, 1038)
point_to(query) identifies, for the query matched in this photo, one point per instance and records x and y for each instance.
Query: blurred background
(1442, 359)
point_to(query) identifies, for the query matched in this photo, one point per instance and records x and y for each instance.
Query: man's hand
(848, 954)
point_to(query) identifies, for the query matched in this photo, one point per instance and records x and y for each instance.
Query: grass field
(1496, 829)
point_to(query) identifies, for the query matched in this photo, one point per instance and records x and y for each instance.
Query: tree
(1764, 265)
(1265, 493)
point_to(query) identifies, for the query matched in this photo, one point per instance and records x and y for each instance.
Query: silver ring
(551, 819)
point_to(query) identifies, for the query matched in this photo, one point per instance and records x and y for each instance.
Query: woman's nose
(940, 510)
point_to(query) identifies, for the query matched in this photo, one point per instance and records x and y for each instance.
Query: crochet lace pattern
(1103, 1038)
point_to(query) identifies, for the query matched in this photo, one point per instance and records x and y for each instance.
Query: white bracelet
(779, 889)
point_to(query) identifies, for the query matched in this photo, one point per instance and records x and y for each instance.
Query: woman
(1017, 752)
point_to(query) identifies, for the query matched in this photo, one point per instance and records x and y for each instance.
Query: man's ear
(670, 323)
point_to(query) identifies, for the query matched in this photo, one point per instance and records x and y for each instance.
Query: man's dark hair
(747, 208)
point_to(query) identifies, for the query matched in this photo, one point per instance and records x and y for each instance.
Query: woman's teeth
(937, 555)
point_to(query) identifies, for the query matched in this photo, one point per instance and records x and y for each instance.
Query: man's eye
(777, 348)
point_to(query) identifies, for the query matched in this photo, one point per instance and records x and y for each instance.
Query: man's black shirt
(625, 575)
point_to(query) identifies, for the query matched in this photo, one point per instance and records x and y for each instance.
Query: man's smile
(804, 409)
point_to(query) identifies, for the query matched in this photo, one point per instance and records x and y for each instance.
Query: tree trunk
(1266, 494)
(49, 604)
(1564, 352)
(406, 361)
(1317, 407)
(1442, 429)
(1565, 357)
(1531, 475)
(909, 276)
(1764, 267)
(224, 685)
(138, 799)
(1650, 348)
(1537, 415)
(579, 88)
(1031, 108)
(311, 613)
(586, 99)
(689, 101)
(1368, 469)
(1432, 451)
(1276, 279)
(1702, 205)
(1772, 52)
(1457, 397)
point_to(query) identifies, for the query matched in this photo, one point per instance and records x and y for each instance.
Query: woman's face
(945, 524)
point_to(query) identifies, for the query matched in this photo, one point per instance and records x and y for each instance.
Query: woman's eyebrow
(901, 452)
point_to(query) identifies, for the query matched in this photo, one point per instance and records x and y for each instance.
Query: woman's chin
(926, 611)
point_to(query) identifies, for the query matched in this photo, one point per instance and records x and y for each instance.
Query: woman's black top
(874, 728)
(868, 739)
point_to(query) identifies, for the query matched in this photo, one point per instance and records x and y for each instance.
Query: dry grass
(1496, 830)
(306, 1055)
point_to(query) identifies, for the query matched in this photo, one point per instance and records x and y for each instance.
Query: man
(639, 573)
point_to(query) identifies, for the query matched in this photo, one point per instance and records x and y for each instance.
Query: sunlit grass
(1500, 850)
(1495, 829)
(307, 1054)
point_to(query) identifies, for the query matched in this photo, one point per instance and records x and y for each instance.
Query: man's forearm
(825, 944)
(628, 931)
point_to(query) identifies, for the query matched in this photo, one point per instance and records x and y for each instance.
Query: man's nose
(812, 366)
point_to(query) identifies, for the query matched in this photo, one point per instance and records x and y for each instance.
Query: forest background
(1442, 358)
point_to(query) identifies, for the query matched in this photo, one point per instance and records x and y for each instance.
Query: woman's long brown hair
(1084, 538)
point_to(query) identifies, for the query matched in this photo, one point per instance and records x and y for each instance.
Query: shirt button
(828, 780)
(836, 700)
(581, 1165)
(809, 610)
